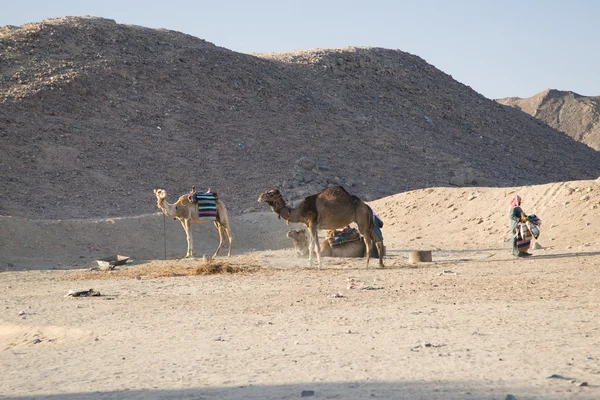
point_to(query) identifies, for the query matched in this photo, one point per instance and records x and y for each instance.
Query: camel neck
(167, 208)
(284, 212)
(281, 209)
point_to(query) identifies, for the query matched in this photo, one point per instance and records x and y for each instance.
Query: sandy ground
(475, 323)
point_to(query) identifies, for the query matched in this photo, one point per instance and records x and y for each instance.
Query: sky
(508, 48)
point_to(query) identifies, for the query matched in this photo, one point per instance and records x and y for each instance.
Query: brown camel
(355, 248)
(332, 208)
(187, 213)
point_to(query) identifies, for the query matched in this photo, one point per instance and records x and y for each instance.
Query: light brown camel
(355, 248)
(332, 208)
(298, 237)
(187, 213)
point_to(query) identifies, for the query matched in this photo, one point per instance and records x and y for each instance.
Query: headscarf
(515, 202)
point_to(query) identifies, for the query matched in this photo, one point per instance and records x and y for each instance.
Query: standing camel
(332, 208)
(187, 213)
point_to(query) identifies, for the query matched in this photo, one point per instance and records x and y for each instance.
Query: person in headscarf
(516, 215)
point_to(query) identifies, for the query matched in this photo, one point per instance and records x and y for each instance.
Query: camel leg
(188, 233)
(379, 245)
(220, 229)
(230, 237)
(314, 245)
(311, 249)
(368, 250)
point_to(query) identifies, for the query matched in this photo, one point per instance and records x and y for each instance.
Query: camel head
(271, 197)
(298, 236)
(160, 194)
(275, 200)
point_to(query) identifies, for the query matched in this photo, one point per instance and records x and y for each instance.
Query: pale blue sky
(499, 48)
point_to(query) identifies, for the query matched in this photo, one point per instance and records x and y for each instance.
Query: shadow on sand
(333, 390)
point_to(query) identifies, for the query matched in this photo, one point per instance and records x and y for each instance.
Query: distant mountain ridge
(95, 114)
(576, 115)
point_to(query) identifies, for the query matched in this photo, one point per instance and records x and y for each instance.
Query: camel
(187, 213)
(298, 237)
(355, 248)
(332, 208)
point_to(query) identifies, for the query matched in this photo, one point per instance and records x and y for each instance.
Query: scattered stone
(362, 286)
(463, 177)
(583, 384)
(307, 393)
(37, 340)
(448, 272)
(305, 163)
(83, 293)
(556, 376)
(21, 312)
(219, 339)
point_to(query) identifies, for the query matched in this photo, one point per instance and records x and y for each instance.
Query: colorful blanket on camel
(346, 235)
(207, 206)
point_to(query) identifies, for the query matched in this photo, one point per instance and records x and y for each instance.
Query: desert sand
(476, 323)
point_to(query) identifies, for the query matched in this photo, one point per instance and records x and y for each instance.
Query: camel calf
(355, 248)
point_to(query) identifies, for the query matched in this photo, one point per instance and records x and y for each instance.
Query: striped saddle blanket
(344, 236)
(207, 206)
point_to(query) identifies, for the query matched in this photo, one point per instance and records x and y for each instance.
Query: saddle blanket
(207, 206)
(344, 236)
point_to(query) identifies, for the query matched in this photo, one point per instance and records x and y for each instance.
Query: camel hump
(338, 193)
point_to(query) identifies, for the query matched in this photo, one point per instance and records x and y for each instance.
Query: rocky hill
(577, 116)
(95, 114)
